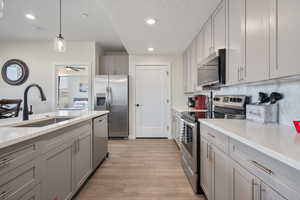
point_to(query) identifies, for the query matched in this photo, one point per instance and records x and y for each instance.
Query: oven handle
(188, 123)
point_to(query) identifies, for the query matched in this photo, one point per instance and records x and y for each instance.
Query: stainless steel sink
(45, 122)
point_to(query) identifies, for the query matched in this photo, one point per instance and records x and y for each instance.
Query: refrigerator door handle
(107, 98)
(110, 98)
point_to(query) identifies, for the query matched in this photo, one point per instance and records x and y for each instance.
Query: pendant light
(59, 41)
(1, 8)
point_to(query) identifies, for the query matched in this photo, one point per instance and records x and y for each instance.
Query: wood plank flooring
(140, 170)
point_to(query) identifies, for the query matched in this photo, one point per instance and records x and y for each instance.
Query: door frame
(90, 82)
(168, 120)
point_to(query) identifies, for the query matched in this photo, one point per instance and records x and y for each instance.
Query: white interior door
(152, 101)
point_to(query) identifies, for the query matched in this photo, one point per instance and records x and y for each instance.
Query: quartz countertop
(10, 135)
(277, 141)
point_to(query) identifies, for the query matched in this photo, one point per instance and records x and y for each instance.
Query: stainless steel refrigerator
(111, 93)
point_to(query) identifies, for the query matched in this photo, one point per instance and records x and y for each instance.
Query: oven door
(189, 145)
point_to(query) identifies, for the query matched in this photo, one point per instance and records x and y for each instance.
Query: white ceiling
(178, 23)
(112, 23)
(96, 27)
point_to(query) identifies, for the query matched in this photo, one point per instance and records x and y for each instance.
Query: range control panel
(230, 101)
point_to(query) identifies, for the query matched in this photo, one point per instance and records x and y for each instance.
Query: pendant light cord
(60, 17)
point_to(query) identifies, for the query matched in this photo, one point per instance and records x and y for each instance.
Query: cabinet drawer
(60, 137)
(32, 194)
(216, 138)
(19, 180)
(283, 178)
(16, 156)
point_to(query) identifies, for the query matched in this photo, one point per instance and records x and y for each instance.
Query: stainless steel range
(222, 106)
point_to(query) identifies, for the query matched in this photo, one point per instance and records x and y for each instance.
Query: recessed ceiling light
(1, 8)
(30, 16)
(150, 49)
(151, 21)
(84, 15)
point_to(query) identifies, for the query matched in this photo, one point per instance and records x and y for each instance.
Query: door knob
(137, 105)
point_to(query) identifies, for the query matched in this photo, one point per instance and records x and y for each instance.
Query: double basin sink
(44, 122)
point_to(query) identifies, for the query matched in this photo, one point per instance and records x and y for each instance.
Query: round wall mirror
(15, 72)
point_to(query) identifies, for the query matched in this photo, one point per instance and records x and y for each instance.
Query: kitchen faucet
(25, 109)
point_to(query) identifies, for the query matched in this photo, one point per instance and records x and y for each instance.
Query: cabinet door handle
(210, 153)
(207, 151)
(254, 186)
(261, 167)
(242, 73)
(75, 146)
(211, 135)
(78, 144)
(238, 72)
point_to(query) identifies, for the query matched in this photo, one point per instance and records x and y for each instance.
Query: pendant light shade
(59, 44)
(1, 8)
(59, 41)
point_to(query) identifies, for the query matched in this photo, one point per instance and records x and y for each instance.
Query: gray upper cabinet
(261, 38)
(193, 71)
(285, 31)
(208, 46)
(189, 59)
(200, 46)
(257, 41)
(114, 65)
(236, 41)
(185, 72)
(219, 27)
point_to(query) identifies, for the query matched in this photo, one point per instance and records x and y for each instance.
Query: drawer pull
(256, 164)
(211, 135)
(3, 195)
(4, 162)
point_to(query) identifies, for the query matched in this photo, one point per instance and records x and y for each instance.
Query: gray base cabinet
(206, 169)
(57, 180)
(68, 164)
(231, 170)
(242, 184)
(33, 194)
(214, 172)
(220, 175)
(82, 159)
(267, 193)
(50, 167)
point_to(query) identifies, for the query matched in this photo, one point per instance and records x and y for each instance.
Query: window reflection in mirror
(14, 72)
(72, 87)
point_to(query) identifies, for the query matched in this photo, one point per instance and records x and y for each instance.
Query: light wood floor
(140, 170)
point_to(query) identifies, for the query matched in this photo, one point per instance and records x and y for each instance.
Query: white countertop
(13, 135)
(184, 109)
(277, 141)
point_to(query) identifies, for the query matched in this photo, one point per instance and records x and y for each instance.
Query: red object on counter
(297, 126)
(200, 102)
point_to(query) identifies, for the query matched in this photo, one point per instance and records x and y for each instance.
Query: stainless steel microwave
(212, 70)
